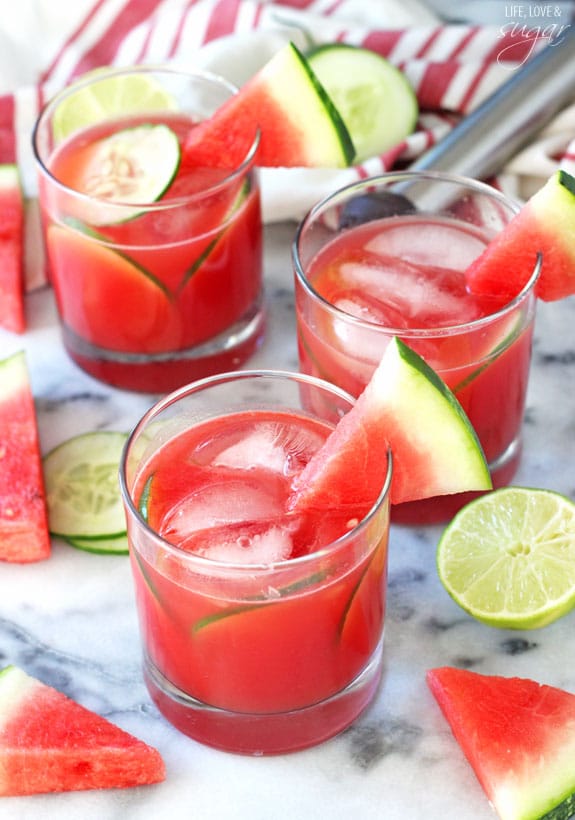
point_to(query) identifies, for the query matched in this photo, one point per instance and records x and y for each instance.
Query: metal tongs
(483, 141)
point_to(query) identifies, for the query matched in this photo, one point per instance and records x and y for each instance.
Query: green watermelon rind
(522, 784)
(339, 126)
(456, 455)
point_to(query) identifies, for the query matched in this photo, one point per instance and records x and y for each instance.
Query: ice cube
(253, 542)
(434, 242)
(280, 448)
(405, 294)
(260, 447)
(222, 502)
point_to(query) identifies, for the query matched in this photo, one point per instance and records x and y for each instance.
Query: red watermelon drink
(261, 624)
(386, 257)
(156, 262)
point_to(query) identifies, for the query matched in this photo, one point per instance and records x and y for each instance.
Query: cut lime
(108, 97)
(374, 98)
(133, 165)
(508, 557)
(82, 489)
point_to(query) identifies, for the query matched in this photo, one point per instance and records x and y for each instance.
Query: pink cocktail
(262, 628)
(157, 286)
(387, 257)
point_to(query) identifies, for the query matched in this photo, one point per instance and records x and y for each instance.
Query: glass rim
(413, 332)
(147, 68)
(208, 565)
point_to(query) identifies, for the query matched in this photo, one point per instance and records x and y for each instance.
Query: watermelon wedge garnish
(299, 124)
(12, 315)
(50, 743)
(24, 534)
(545, 225)
(519, 737)
(405, 408)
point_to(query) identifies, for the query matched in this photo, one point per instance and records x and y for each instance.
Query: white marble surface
(71, 622)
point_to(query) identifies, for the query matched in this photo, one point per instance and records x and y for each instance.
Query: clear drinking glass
(384, 257)
(156, 292)
(262, 629)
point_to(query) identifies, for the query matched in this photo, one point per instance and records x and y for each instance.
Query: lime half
(110, 96)
(508, 557)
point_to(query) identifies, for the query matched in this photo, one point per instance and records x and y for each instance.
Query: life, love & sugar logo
(528, 25)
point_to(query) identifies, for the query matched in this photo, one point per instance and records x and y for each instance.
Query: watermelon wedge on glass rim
(545, 225)
(298, 122)
(50, 743)
(518, 736)
(405, 408)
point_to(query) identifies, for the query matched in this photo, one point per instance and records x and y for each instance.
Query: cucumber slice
(375, 99)
(82, 490)
(197, 264)
(115, 545)
(132, 166)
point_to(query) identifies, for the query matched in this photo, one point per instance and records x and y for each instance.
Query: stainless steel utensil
(484, 140)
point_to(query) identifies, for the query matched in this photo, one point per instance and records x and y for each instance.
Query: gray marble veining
(71, 621)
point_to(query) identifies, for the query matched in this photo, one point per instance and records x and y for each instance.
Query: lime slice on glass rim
(111, 96)
(508, 557)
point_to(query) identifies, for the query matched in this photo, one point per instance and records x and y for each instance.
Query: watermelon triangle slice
(544, 225)
(12, 315)
(298, 123)
(49, 743)
(405, 408)
(24, 533)
(519, 737)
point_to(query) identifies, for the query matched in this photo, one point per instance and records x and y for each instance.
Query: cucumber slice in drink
(82, 490)
(374, 98)
(132, 166)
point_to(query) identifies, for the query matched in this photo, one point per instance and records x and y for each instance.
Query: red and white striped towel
(453, 68)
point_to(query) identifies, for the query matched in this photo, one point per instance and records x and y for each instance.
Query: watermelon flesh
(297, 122)
(519, 737)
(405, 409)
(12, 315)
(545, 225)
(24, 533)
(50, 743)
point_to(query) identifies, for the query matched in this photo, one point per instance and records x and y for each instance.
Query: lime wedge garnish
(508, 557)
(108, 97)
